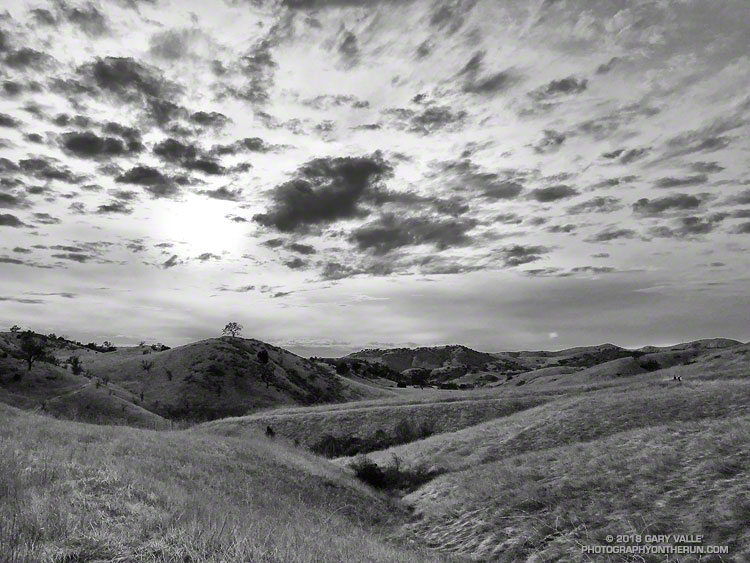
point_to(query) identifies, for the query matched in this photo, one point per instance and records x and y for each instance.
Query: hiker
(269, 431)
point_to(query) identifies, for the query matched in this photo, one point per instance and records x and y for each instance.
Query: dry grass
(76, 492)
(677, 478)
(574, 419)
(353, 419)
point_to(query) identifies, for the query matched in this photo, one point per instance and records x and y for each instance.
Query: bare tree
(32, 348)
(232, 329)
(15, 328)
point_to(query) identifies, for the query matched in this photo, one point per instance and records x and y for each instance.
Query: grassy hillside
(77, 492)
(675, 478)
(365, 427)
(579, 418)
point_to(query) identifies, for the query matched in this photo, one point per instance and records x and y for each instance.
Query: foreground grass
(677, 478)
(76, 492)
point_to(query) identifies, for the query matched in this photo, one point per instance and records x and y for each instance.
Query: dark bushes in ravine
(339, 446)
(394, 476)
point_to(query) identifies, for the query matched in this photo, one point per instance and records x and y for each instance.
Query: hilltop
(203, 380)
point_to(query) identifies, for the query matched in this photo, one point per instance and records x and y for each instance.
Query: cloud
(627, 156)
(606, 68)
(188, 156)
(464, 175)
(223, 193)
(328, 101)
(206, 256)
(670, 182)
(517, 254)
(658, 206)
(742, 228)
(301, 248)
(89, 145)
(213, 119)
(87, 18)
(114, 207)
(173, 44)
(171, 262)
(600, 204)
(689, 227)
(47, 168)
(348, 49)
(248, 144)
(73, 257)
(10, 201)
(706, 167)
(558, 88)
(610, 234)
(21, 300)
(295, 263)
(389, 232)
(8, 220)
(741, 198)
(323, 191)
(8, 121)
(550, 142)
(46, 219)
(153, 181)
(552, 193)
(427, 121)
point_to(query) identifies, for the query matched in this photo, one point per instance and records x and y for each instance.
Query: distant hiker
(674, 378)
(679, 378)
(44, 406)
(269, 432)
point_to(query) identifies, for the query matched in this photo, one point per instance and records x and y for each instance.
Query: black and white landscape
(482, 268)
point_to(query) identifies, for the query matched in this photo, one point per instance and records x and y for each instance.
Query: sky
(346, 174)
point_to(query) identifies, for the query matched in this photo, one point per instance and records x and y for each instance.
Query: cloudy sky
(339, 174)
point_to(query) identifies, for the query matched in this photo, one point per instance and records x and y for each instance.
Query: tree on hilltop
(232, 329)
(32, 348)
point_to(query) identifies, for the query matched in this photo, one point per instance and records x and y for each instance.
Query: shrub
(393, 476)
(650, 365)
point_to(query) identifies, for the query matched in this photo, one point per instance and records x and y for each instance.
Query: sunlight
(203, 224)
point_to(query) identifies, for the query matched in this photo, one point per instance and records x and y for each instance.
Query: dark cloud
(328, 101)
(156, 183)
(550, 142)
(8, 220)
(21, 250)
(22, 300)
(486, 85)
(671, 182)
(323, 191)
(114, 207)
(88, 18)
(43, 17)
(612, 233)
(601, 204)
(26, 58)
(710, 138)
(623, 156)
(46, 168)
(206, 256)
(249, 144)
(517, 254)
(128, 79)
(301, 248)
(211, 119)
(173, 44)
(389, 232)
(509, 219)
(706, 167)
(465, 176)
(742, 198)
(9, 121)
(348, 49)
(11, 201)
(604, 126)
(612, 182)
(424, 49)
(661, 205)
(689, 227)
(426, 121)
(741, 229)
(257, 66)
(607, 67)
(89, 145)
(569, 228)
(187, 156)
(552, 193)
(171, 262)
(46, 219)
(223, 193)
(35, 138)
(295, 263)
(557, 88)
(73, 257)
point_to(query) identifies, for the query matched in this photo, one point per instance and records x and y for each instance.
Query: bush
(650, 365)
(392, 477)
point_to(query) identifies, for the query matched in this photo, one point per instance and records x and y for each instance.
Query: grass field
(77, 492)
